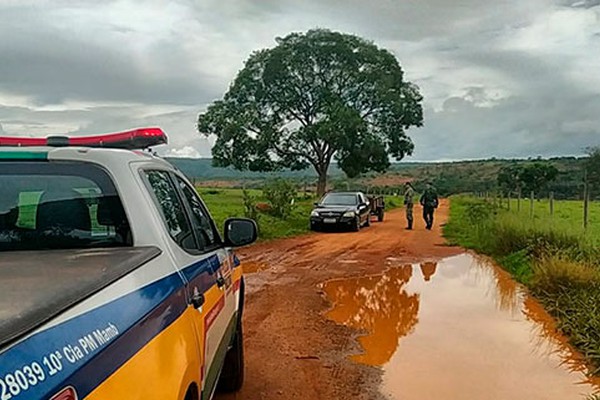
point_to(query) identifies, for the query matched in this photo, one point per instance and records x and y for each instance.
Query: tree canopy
(313, 98)
(592, 166)
(533, 177)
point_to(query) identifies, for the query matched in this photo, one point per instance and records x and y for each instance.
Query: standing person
(409, 194)
(429, 201)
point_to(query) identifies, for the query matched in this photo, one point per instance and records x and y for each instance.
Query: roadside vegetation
(552, 255)
(227, 203)
(279, 211)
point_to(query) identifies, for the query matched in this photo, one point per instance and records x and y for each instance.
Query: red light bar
(135, 139)
(19, 141)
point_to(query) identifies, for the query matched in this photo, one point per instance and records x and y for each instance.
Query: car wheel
(356, 225)
(314, 227)
(232, 375)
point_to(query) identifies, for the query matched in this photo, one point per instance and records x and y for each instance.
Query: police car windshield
(340, 199)
(55, 205)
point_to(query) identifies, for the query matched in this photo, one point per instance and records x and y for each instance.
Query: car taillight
(67, 393)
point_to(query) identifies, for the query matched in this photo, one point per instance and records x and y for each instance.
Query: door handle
(220, 282)
(197, 299)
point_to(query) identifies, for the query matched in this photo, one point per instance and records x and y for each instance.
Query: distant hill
(448, 177)
(480, 175)
(202, 168)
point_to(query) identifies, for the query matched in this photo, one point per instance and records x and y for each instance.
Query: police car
(114, 281)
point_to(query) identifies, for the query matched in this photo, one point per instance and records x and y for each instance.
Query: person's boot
(409, 227)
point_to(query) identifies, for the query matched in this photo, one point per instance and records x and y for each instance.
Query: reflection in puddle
(460, 329)
(428, 270)
(378, 305)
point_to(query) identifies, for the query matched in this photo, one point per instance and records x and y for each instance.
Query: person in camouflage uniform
(429, 201)
(408, 202)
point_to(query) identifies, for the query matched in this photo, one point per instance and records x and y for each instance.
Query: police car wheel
(232, 376)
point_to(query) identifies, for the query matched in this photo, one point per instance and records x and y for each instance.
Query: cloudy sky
(503, 78)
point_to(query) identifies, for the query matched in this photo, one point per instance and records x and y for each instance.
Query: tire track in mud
(292, 350)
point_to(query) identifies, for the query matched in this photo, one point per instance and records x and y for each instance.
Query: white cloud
(184, 152)
(502, 78)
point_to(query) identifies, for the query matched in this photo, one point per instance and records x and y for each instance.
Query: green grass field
(568, 215)
(226, 203)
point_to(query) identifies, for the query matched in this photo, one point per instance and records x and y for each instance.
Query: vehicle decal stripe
(214, 312)
(95, 344)
(162, 369)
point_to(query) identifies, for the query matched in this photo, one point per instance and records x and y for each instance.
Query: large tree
(537, 176)
(532, 177)
(315, 97)
(509, 178)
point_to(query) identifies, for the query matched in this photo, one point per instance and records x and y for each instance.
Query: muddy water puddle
(457, 329)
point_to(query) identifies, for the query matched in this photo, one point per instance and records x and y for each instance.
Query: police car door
(217, 321)
(199, 261)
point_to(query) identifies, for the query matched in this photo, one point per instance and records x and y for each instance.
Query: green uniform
(409, 202)
(429, 201)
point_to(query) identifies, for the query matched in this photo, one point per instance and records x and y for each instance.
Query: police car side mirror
(240, 232)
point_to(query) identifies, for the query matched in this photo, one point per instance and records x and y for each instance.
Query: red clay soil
(292, 350)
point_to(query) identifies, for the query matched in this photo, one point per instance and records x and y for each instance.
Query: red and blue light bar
(135, 139)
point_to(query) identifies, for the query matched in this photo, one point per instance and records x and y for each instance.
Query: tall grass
(557, 261)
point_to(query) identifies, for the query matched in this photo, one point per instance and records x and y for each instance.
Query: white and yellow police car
(114, 281)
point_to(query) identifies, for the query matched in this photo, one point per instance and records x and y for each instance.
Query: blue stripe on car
(139, 316)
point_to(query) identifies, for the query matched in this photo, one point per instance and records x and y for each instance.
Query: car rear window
(59, 205)
(340, 199)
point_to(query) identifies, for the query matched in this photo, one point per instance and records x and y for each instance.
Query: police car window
(201, 221)
(172, 209)
(59, 205)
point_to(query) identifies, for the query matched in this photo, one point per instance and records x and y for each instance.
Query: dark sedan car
(348, 210)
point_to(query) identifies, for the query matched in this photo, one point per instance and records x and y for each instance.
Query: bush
(281, 195)
(551, 271)
(250, 209)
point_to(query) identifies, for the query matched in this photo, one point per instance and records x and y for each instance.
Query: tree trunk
(322, 184)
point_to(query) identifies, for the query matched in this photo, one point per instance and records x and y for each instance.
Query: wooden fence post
(531, 199)
(519, 201)
(508, 195)
(586, 204)
(551, 203)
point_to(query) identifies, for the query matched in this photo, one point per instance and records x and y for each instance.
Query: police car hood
(35, 286)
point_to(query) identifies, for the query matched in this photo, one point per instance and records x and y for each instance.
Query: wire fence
(537, 207)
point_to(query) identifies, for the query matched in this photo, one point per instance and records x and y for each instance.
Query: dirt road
(292, 351)
(414, 320)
